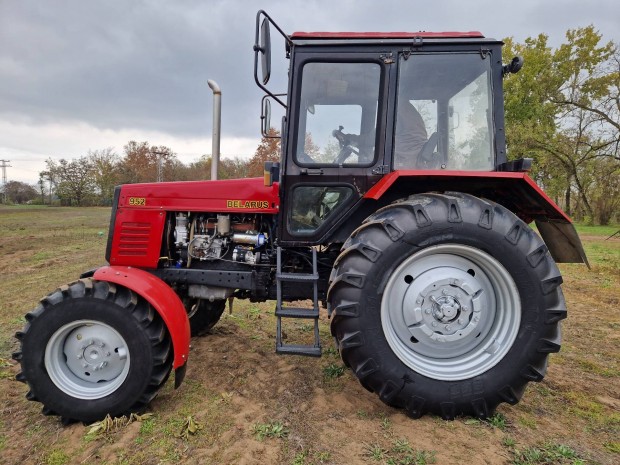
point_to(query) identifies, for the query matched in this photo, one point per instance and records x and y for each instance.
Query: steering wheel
(346, 145)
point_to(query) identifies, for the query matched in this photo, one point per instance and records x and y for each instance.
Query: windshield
(338, 113)
(444, 113)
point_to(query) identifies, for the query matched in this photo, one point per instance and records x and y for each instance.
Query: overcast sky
(84, 74)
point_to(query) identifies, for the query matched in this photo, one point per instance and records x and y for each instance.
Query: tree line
(90, 179)
(562, 110)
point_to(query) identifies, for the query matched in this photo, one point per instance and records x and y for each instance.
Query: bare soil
(310, 410)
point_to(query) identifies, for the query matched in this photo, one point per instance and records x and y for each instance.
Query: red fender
(163, 299)
(514, 190)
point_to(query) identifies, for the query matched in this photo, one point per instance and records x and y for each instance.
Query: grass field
(242, 404)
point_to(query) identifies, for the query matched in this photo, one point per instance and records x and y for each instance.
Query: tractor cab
(360, 106)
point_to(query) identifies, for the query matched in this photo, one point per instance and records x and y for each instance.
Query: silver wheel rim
(87, 359)
(450, 312)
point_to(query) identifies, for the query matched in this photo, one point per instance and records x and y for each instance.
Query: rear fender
(514, 190)
(163, 299)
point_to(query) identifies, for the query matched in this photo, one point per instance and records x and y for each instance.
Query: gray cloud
(120, 64)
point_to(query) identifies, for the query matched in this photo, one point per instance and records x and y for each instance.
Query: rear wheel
(91, 349)
(463, 310)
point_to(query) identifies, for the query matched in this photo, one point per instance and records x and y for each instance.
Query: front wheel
(204, 314)
(91, 349)
(446, 304)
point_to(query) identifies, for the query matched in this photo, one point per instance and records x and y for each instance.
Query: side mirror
(265, 49)
(265, 116)
(262, 52)
(513, 67)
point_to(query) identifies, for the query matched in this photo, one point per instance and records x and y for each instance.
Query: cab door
(335, 147)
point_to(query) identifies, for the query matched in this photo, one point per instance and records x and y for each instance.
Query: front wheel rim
(87, 359)
(450, 312)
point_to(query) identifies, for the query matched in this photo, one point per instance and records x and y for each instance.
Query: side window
(444, 122)
(312, 205)
(338, 114)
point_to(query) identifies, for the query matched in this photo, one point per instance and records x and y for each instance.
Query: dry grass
(247, 405)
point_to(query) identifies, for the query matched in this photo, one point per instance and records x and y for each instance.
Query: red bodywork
(141, 212)
(516, 191)
(161, 297)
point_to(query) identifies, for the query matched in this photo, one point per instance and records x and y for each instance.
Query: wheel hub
(87, 359)
(445, 308)
(95, 353)
(450, 311)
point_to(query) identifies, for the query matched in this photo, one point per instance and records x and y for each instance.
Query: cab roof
(386, 35)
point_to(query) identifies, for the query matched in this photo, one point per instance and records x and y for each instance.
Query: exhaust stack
(217, 122)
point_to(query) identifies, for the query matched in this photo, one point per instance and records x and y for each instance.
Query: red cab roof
(385, 35)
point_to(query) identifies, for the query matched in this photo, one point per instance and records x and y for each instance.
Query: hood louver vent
(134, 239)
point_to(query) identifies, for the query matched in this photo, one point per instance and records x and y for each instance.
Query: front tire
(93, 348)
(204, 314)
(446, 304)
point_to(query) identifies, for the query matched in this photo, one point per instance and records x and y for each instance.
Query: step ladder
(296, 312)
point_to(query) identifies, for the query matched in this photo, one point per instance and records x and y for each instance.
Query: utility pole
(160, 165)
(160, 171)
(4, 164)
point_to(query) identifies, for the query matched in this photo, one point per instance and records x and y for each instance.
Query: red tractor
(394, 206)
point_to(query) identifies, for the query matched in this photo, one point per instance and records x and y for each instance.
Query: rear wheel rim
(450, 312)
(87, 359)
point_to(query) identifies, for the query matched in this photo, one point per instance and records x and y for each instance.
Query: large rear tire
(93, 348)
(447, 304)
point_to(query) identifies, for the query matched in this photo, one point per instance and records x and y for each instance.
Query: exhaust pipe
(217, 122)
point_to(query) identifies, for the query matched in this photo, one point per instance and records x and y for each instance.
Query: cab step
(297, 312)
(308, 350)
(299, 349)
